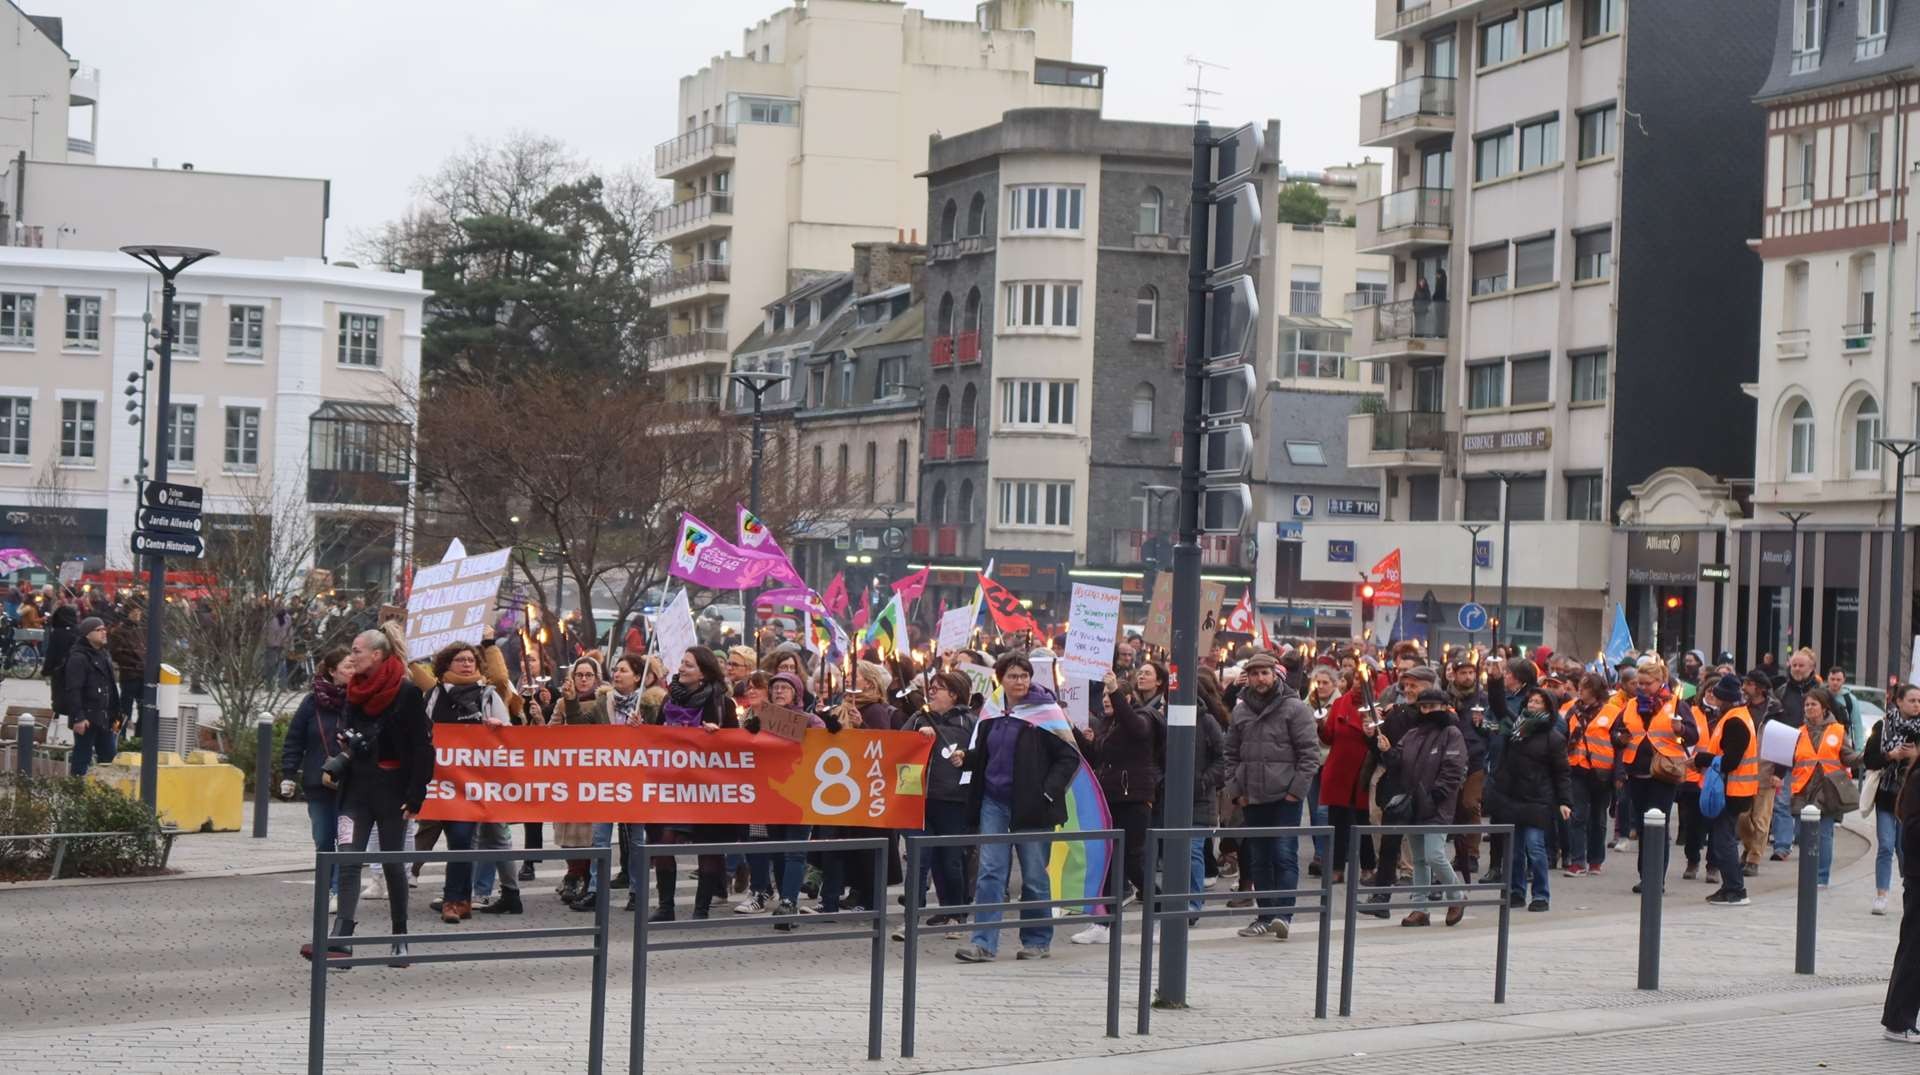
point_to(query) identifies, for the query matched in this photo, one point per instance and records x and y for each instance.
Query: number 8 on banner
(834, 780)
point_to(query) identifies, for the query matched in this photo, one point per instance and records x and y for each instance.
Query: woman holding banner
(949, 723)
(1125, 749)
(462, 695)
(696, 698)
(583, 702)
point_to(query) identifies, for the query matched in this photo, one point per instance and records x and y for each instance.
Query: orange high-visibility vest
(1824, 759)
(1744, 781)
(1660, 731)
(1592, 749)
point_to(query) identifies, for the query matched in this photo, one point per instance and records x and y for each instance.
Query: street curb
(91, 882)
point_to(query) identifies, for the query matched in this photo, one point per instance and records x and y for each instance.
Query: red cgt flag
(1008, 616)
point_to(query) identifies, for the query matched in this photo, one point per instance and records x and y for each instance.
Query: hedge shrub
(32, 806)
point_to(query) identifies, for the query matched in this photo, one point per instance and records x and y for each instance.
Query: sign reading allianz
(1507, 440)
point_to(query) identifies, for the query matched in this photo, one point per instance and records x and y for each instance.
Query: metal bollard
(24, 752)
(1654, 841)
(262, 773)
(1808, 910)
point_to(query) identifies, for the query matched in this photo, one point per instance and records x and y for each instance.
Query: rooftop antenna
(1201, 94)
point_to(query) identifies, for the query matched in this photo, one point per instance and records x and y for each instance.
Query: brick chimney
(878, 266)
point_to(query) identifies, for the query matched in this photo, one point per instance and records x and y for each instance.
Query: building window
(845, 456)
(243, 439)
(1036, 504)
(817, 386)
(1369, 288)
(1151, 204)
(1539, 143)
(1866, 430)
(16, 320)
(1056, 73)
(1316, 353)
(1873, 30)
(900, 472)
(949, 221)
(977, 214)
(1802, 162)
(184, 424)
(763, 110)
(1303, 298)
(16, 427)
(1584, 504)
(1146, 313)
(1482, 496)
(1800, 442)
(890, 382)
(1533, 261)
(1039, 307)
(873, 472)
(1037, 404)
(1047, 209)
(1593, 254)
(1863, 165)
(246, 330)
(1546, 25)
(83, 323)
(1143, 410)
(1531, 378)
(1794, 316)
(1493, 156)
(186, 328)
(1590, 377)
(76, 430)
(1602, 17)
(357, 453)
(1306, 453)
(1486, 386)
(846, 382)
(1597, 131)
(963, 504)
(1806, 36)
(1860, 305)
(1489, 269)
(1499, 41)
(360, 339)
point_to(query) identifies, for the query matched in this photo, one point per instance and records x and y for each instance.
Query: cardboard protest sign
(956, 628)
(598, 772)
(788, 724)
(1159, 627)
(452, 600)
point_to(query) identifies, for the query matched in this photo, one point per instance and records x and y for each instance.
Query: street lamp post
(1473, 573)
(1155, 494)
(1793, 592)
(1901, 447)
(169, 262)
(758, 382)
(1506, 546)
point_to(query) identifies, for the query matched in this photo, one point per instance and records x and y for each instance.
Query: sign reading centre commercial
(1507, 440)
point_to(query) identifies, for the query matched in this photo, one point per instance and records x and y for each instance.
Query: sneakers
(1246, 901)
(399, 960)
(1778, 856)
(1880, 903)
(1576, 870)
(1537, 905)
(661, 914)
(1033, 953)
(1751, 869)
(1516, 900)
(973, 953)
(758, 903)
(1727, 899)
(1279, 928)
(1595, 870)
(1094, 934)
(1909, 1036)
(1712, 876)
(1257, 928)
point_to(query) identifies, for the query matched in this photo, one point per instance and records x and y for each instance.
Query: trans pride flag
(1077, 868)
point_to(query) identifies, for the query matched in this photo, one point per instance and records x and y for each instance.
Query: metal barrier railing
(1111, 917)
(875, 931)
(1420, 900)
(166, 836)
(323, 939)
(1152, 909)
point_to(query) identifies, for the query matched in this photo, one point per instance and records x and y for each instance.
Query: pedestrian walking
(1430, 761)
(90, 698)
(313, 737)
(1734, 742)
(1889, 755)
(1531, 788)
(1273, 752)
(1590, 764)
(1124, 749)
(1822, 757)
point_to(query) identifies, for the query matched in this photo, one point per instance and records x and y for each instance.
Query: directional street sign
(1224, 508)
(169, 495)
(1235, 156)
(1235, 223)
(146, 544)
(1228, 393)
(1233, 314)
(1473, 618)
(1227, 451)
(168, 519)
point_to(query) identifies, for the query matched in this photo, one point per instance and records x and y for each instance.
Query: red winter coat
(1347, 751)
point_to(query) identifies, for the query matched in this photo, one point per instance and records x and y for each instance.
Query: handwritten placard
(788, 724)
(1093, 626)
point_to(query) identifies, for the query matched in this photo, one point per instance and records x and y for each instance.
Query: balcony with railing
(1793, 343)
(693, 148)
(1406, 112)
(942, 352)
(1856, 338)
(966, 442)
(689, 277)
(1405, 220)
(966, 348)
(686, 349)
(1407, 19)
(960, 247)
(1398, 439)
(696, 213)
(1130, 548)
(937, 441)
(1409, 328)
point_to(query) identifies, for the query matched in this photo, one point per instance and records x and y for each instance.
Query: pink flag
(704, 558)
(911, 587)
(836, 595)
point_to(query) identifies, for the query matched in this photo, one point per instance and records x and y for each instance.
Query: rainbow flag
(1077, 868)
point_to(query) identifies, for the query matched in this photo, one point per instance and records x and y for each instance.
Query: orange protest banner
(679, 775)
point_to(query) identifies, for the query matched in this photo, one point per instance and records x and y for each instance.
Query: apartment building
(289, 374)
(1574, 181)
(49, 101)
(812, 139)
(1839, 339)
(1056, 291)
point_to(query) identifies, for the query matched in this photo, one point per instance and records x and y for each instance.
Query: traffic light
(1366, 604)
(1673, 602)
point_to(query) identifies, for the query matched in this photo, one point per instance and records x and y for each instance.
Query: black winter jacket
(1043, 766)
(1430, 762)
(402, 734)
(312, 738)
(950, 733)
(1532, 782)
(89, 690)
(1126, 750)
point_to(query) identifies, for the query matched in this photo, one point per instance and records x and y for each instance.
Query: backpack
(1713, 791)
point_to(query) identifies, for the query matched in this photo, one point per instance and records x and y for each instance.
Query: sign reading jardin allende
(1507, 440)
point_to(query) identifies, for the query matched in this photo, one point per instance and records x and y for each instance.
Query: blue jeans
(1528, 858)
(603, 837)
(1276, 863)
(793, 864)
(1888, 849)
(760, 868)
(1587, 833)
(1826, 849)
(1197, 880)
(95, 746)
(459, 884)
(990, 886)
(1319, 817)
(323, 813)
(1784, 823)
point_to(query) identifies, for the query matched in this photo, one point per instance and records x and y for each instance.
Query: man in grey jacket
(1273, 752)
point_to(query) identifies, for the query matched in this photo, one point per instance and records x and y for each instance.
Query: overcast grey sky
(373, 93)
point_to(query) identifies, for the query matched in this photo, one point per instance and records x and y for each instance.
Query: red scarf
(373, 691)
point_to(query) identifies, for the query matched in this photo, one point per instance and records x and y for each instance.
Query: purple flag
(798, 598)
(704, 558)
